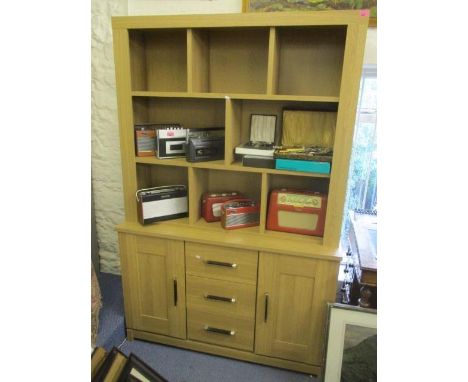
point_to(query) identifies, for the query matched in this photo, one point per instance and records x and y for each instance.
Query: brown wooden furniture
(250, 294)
(362, 241)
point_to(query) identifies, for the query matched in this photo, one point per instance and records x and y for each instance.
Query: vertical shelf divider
(190, 64)
(198, 51)
(264, 201)
(273, 62)
(232, 128)
(194, 191)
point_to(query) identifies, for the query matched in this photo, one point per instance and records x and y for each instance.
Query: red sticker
(365, 12)
(170, 133)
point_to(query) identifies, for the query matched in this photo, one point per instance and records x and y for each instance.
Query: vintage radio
(297, 211)
(145, 139)
(212, 201)
(162, 203)
(170, 141)
(240, 213)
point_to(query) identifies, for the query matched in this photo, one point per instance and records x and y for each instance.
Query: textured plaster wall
(105, 149)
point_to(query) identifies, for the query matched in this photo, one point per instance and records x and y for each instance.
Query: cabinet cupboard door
(156, 284)
(291, 306)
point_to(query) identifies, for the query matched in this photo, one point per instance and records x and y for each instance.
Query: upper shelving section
(211, 71)
(284, 59)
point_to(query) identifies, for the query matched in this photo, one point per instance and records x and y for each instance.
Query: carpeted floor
(177, 365)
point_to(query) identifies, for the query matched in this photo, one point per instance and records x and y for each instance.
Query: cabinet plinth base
(226, 352)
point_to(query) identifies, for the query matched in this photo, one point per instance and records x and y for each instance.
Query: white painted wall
(106, 175)
(106, 170)
(175, 7)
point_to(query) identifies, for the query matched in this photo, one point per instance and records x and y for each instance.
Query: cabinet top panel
(242, 20)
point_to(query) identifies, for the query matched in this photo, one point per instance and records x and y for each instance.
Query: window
(362, 180)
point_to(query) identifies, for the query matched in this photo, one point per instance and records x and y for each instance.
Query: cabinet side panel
(124, 103)
(126, 247)
(352, 66)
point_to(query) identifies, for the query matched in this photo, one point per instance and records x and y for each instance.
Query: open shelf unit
(211, 71)
(202, 75)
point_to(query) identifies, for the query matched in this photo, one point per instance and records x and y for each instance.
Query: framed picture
(138, 371)
(311, 5)
(351, 346)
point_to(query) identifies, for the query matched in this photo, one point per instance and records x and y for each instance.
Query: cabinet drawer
(220, 329)
(223, 297)
(223, 263)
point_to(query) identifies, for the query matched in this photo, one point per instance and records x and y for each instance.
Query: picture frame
(136, 370)
(351, 344)
(304, 5)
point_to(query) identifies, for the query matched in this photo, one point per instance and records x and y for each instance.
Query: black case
(258, 161)
(205, 149)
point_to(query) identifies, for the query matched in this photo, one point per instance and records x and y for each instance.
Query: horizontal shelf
(220, 165)
(263, 97)
(216, 226)
(247, 238)
(180, 162)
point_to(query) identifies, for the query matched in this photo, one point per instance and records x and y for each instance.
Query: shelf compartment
(228, 60)
(308, 60)
(156, 175)
(189, 112)
(239, 112)
(209, 180)
(158, 59)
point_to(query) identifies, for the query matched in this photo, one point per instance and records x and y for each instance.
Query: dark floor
(177, 365)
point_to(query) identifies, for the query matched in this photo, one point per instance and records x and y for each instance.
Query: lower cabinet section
(272, 306)
(155, 284)
(291, 306)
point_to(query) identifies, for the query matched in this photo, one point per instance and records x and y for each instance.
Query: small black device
(205, 144)
(258, 161)
(205, 149)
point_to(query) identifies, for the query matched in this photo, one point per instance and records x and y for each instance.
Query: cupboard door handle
(220, 331)
(175, 292)
(221, 264)
(266, 307)
(219, 298)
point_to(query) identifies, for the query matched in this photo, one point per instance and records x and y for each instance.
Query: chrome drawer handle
(220, 331)
(221, 264)
(219, 298)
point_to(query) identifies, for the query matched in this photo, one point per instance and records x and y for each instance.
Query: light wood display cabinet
(250, 294)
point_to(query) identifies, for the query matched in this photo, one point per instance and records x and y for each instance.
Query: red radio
(240, 213)
(212, 201)
(297, 211)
